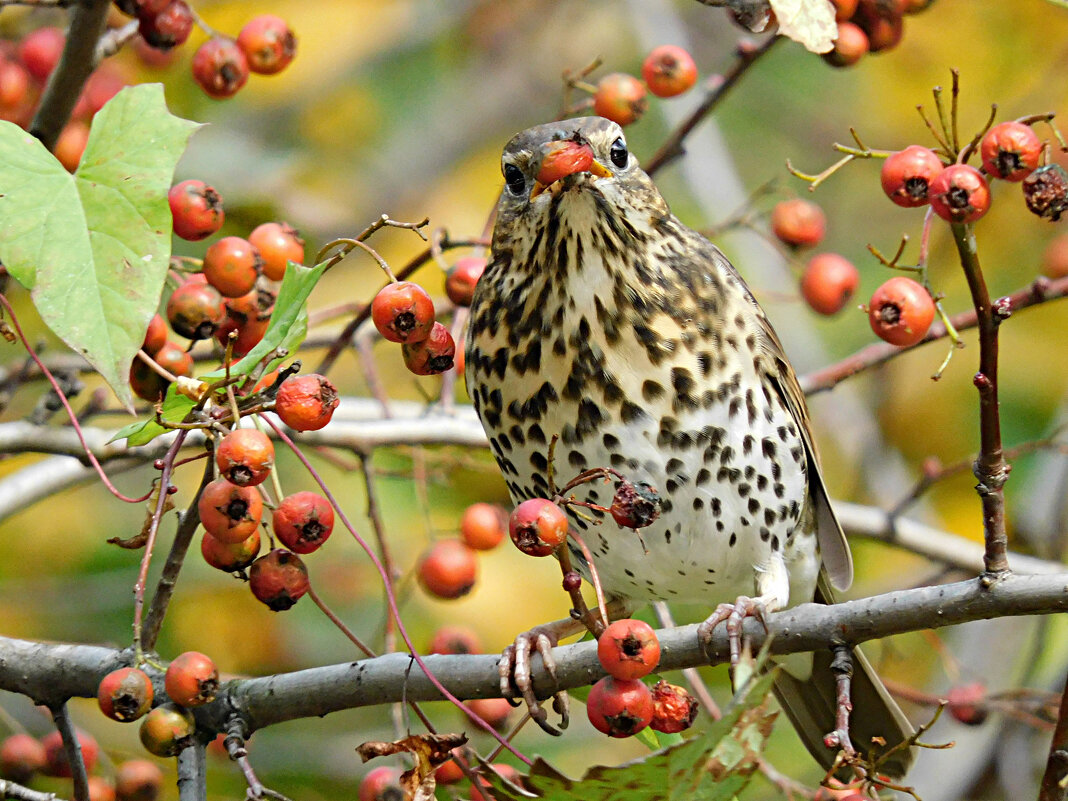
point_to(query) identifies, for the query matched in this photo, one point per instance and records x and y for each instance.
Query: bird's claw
(514, 669)
(735, 615)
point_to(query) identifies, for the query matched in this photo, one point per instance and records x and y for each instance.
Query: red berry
(306, 402)
(620, 98)
(169, 28)
(174, 359)
(450, 772)
(230, 513)
(168, 729)
(191, 679)
(40, 50)
(455, 640)
(850, 46)
(230, 557)
(1010, 151)
(506, 772)
(155, 336)
(21, 756)
(268, 44)
(245, 457)
(967, 703)
(619, 707)
(1046, 192)
(100, 789)
(220, 67)
(382, 784)
(149, 385)
(56, 763)
(125, 694)
(798, 222)
(278, 243)
(844, 9)
(1055, 257)
(482, 526)
(138, 780)
(960, 194)
(907, 175)
(538, 527)
(232, 266)
(563, 159)
(674, 709)
(303, 521)
(462, 278)
(628, 649)
(71, 144)
(433, 355)
(494, 711)
(882, 21)
(14, 84)
(635, 504)
(195, 310)
(448, 569)
(249, 334)
(278, 579)
(901, 311)
(197, 210)
(403, 312)
(669, 70)
(828, 283)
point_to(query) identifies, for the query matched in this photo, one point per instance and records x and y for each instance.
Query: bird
(606, 333)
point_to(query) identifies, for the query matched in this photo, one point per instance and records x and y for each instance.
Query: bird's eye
(618, 153)
(514, 180)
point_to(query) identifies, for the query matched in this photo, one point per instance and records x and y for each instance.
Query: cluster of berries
(869, 26)
(667, 71)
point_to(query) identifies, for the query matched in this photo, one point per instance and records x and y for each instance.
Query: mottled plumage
(604, 321)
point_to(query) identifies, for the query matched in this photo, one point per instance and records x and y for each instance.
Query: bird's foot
(735, 615)
(516, 677)
(842, 667)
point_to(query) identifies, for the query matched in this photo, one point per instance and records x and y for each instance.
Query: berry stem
(990, 467)
(374, 514)
(349, 633)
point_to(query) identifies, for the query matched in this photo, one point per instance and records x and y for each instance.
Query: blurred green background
(402, 108)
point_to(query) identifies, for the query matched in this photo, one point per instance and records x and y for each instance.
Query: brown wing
(837, 560)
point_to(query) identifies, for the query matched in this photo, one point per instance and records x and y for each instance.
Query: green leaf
(174, 409)
(712, 766)
(93, 247)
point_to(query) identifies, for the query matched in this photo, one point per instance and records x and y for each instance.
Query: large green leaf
(93, 247)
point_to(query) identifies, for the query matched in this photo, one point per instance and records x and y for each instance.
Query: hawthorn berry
(306, 402)
(195, 310)
(268, 44)
(103, 84)
(39, 51)
(907, 175)
(232, 266)
(635, 504)
(829, 281)
(168, 28)
(278, 243)
(197, 209)
(798, 222)
(448, 569)
(901, 311)
(1046, 192)
(967, 703)
(303, 521)
(494, 711)
(620, 98)
(382, 784)
(100, 789)
(21, 756)
(125, 694)
(628, 649)
(220, 67)
(449, 771)
(844, 9)
(191, 679)
(563, 159)
(482, 526)
(455, 640)
(155, 336)
(174, 359)
(71, 144)
(278, 579)
(674, 709)
(168, 729)
(14, 84)
(504, 771)
(245, 457)
(402, 311)
(882, 21)
(619, 707)
(149, 385)
(462, 278)
(433, 355)
(850, 46)
(1055, 257)
(56, 763)
(669, 70)
(1010, 151)
(537, 527)
(960, 194)
(249, 334)
(230, 513)
(138, 780)
(230, 557)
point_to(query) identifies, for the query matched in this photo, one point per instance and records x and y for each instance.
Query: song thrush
(603, 321)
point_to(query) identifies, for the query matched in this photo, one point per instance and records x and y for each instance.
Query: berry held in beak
(566, 158)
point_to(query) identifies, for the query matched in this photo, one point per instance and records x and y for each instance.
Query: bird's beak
(565, 158)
